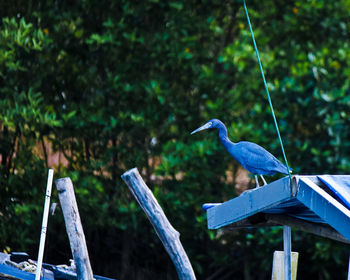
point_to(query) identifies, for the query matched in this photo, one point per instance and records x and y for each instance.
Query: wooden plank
(165, 231)
(287, 251)
(254, 217)
(323, 230)
(325, 206)
(74, 228)
(254, 221)
(339, 186)
(10, 272)
(349, 269)
(273, 220)
(249, 204)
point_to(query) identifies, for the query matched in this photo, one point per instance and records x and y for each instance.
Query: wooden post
(167, 234)
(349, 270)
(278, 265)
(287, 246)
(74, 228)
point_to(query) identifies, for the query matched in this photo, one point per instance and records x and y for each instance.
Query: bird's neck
(224, 137)
(226, 142)
(222, 132)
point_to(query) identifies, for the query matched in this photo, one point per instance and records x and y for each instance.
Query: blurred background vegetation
(94, 88)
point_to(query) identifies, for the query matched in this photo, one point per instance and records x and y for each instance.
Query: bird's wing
(258, 160)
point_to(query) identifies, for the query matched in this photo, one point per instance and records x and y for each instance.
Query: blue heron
(251, 156)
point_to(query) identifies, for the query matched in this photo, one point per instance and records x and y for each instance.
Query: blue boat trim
(15, 273)
(50, 272)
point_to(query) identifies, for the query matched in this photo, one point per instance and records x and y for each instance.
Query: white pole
(287, 247)
(44, 225)
(349, 270)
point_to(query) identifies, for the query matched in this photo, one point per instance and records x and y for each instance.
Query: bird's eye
(210, 123)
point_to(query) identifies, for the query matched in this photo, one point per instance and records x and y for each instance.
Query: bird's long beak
(203, 127)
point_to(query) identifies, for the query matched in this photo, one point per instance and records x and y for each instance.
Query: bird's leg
(257, 186)
(256, 181)
(263, 179)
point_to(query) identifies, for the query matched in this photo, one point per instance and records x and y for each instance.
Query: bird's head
(214, 123)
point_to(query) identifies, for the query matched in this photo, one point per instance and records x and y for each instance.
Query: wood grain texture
(74, 228)
(165, 231)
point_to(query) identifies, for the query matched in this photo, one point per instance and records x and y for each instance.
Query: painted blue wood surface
(325, 206)
(307, 193)
(58, 273)
(339, 185)
(206, 206)
(249, 203)
(6, 270)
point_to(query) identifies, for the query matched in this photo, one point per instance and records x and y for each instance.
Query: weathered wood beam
(165, 231)
(318, 229)
(271, 220)
(74, 228)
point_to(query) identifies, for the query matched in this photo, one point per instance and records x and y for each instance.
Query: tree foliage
(114, 85)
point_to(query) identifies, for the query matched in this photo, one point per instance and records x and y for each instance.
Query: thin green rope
(266, 88)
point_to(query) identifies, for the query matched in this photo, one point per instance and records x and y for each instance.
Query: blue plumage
(251, 156)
